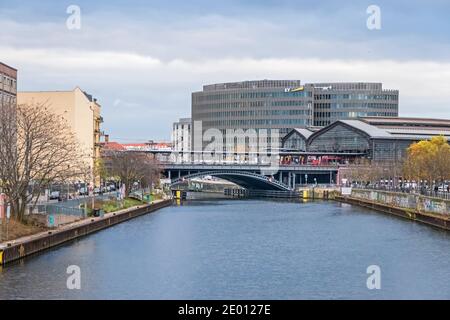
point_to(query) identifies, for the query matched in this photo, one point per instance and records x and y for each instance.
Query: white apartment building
(181, 138)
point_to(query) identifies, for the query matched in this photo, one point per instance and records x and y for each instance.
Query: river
(244, 249)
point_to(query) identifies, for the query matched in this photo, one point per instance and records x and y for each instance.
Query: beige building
(81, 111)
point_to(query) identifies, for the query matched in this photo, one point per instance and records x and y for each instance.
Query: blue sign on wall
(51, 220)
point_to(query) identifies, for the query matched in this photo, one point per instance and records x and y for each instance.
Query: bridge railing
(247, 166)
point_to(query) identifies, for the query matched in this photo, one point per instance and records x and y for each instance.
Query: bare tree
(36, 150)
(365, 171)
(131, 167)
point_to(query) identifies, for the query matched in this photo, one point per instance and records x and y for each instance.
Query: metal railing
(71, 207)
(59, 209)
(139, 193)
(437, 194)
(254, 167)
(424, 192)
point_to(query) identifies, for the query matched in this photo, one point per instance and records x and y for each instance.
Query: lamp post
(92, 185)
(68, 184)
(2, 212)
(8, 216)
(94, 127)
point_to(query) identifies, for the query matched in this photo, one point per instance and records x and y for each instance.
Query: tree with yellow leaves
(428, 160)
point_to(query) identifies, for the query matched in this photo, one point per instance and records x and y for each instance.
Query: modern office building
(79, 109)
(287, 104)
(376, 138)
(336, 101)
(8, 84)
(266, 104)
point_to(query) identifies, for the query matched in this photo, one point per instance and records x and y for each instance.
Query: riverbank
(15, 230)
(29, 245)
(431, 211)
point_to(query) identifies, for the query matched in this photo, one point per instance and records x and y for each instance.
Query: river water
(244, 249)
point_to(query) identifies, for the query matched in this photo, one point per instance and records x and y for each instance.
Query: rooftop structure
(374, 138)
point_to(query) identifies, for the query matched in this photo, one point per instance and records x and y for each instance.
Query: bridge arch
(247, 180)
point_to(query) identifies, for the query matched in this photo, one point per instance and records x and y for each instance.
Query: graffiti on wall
(435, 206)
(419, 203)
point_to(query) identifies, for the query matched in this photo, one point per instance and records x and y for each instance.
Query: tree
(442, 158)
(131, 167)
(100, 172)
(428, 160)
(36, 150)
(367, 171)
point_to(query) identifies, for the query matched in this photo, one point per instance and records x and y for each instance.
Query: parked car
(83, 191)
(54, 195)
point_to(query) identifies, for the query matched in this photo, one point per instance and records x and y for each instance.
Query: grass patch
(114, 205)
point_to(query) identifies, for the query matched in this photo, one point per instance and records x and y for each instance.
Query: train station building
(373, 138)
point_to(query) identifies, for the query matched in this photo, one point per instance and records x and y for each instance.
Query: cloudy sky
(142, 59)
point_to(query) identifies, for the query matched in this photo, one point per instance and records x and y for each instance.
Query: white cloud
(145, 61)
(160, 90)
(66, 59)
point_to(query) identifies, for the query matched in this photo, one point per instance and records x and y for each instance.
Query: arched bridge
(247, 180)
(254, 177)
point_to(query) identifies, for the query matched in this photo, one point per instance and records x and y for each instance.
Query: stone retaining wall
(20, 248)
(404, 200)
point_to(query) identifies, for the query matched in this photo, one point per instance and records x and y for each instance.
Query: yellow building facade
(80, 110)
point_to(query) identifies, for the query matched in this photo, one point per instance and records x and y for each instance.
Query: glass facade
(336, 101)
(295, 142)
(388, 150)
(287, 104)
(349, 142)
(266, 104)
(340, 138)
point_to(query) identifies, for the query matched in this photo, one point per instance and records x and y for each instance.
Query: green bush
(131, 203)
(109, 206)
